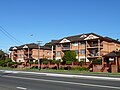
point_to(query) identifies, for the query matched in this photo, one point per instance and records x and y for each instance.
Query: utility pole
(39, 62)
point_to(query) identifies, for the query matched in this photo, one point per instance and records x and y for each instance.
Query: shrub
(2, 63)
(67, 68)
(83, 69)
(61, 68)
(80, 68)
(97, 61)
(34, 67)
(31, 62)
(81, 63)
(11, 63)
(19, 63)
(45, 62)
(68, 62)
(36, 62)
(55, 61)
(119, 69)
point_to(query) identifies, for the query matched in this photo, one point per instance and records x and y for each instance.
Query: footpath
(94, 76)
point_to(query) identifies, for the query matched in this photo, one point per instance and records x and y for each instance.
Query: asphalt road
(20, 81)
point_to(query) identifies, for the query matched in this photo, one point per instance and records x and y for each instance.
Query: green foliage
(36, 62)
(19, 63)
(69, 56)
(34, 67)
(81, 63)
(119, 69)
(55, 61)
(31, 62)
(80, 68)
(45, 61)
(2, 55)
(7, 62)
(68, 62)
(61, 68)
(3, 60)
(2, 63)
(97, 61)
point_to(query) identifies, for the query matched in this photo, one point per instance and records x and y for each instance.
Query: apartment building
(29, 52)
(87, 46)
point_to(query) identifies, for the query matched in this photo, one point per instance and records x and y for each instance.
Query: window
(75, 44)
(58, 45)
(22, 55)
(82, 59)
(82, 43)
(82, 51)
(48, 53)
(76, 51)
(58, 53)
(19, 55)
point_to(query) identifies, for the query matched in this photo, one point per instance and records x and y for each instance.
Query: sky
(29, 21)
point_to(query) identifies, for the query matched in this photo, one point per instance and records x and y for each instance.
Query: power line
(7, 34)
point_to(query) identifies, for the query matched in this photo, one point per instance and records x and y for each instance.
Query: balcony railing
(30, 52)
(94, 46)
(93, 55)
(65, 48)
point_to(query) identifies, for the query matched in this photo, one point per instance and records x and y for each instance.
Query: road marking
(81, 76)
(22, 88)
(10, 72)
(73, 83)
(65, 75)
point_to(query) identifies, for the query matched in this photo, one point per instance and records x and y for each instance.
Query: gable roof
(113, 54)
(82, 37)
(30, 46)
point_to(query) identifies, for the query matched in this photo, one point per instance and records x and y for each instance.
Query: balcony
(92, 46)
(93, 55)
(30, 52)
(15, 54)
(15, 58)
(65, 48)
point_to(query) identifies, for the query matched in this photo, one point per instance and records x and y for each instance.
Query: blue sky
(54, 19)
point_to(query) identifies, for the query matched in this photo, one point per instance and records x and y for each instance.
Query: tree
(2, 55)
(2, 63)
(69, 57)
(8, 62)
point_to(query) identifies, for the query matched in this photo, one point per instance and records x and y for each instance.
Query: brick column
(102, 61)
(98, 47)
(86, 50)
(78, 50)
(116, 61)
(52, 53)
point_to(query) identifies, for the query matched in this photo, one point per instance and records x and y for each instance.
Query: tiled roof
(113, 54)
(111, 40)
(30, 46)
(81, 38)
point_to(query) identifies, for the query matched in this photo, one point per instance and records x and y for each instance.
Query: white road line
(73, 83)
(65, 75)
(22, 88)
(81, 76)
(10, 72)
